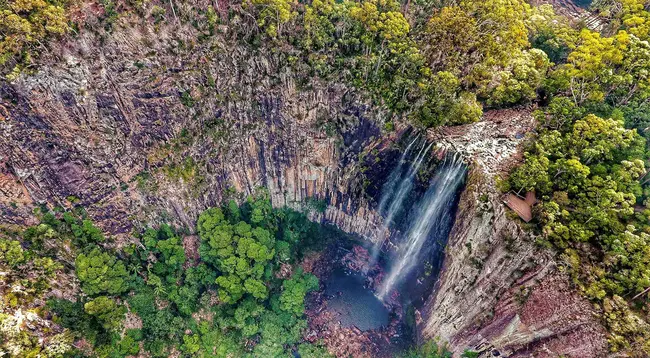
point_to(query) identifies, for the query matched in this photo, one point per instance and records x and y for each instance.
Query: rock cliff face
(499, 293)
(142, 127)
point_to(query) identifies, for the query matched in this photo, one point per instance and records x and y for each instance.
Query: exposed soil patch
(191, 245)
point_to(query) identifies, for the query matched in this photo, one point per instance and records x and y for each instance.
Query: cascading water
(394, 179)
(396, 191)
(435, 207)
(405, 186)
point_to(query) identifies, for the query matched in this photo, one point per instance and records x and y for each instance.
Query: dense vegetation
(464, 57)
(431, 62)
(587, 160)
(482, 55)
(588, 166)
(24, 26)
(149, 297)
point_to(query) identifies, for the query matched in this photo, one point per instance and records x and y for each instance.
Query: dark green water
(357, 306)
(583, 3)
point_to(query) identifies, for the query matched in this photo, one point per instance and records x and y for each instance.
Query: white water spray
(435, 207)
(395, 199)
(394, 179)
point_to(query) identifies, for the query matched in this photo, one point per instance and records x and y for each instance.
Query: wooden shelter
(522, 206)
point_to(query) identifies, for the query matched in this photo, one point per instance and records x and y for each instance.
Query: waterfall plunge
(396, 190)
(434, 208)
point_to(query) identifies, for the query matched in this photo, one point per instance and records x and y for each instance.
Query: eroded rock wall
(143, 127)
(500, 293)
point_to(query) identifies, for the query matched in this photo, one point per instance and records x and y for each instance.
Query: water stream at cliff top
(433, 216)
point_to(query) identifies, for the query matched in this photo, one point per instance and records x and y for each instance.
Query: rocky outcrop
(144, 127)
(577, 11)
(500, 293)
(493, 144)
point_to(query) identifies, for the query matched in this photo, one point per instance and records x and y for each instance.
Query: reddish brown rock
(500, 292)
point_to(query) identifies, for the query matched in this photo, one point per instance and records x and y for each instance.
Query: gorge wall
(500, 293)
(141, 127)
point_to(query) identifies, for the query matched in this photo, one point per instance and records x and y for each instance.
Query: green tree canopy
(25, 24)
(107, 311)
(292, 298)
(239, 251)
(101, 273)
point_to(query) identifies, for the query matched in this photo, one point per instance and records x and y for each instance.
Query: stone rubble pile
(491, 143)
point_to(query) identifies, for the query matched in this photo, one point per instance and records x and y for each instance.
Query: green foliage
(313, 351)
(240, 252)
(276, 331)
(370, 44)
(107, 311)
(628, 330)
(11, 253)
(271, 14)
(588, 177)
(238, 244)
(38, 235)
(298, 235)
(127, 347)
(586, 165)
(469, 51)
(587, 162)
(174, 300)
(168, 249)
(187, 170)
(186, 99)
(195, 280)
(485, 45)
(19, 341)
(292, 298)
(551, 33)
(143, 303)
(446, 103)
(214, 343)
(518, 80)
(26, 276)
(469, 354)
(430, 349)
(84, 231)
(101, 272)
(191, 344)
(25, 25)
(71, 315)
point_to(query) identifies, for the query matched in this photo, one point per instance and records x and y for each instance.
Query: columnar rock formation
(135, 132)
(145, 128)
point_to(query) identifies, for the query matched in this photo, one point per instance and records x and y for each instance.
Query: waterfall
(405, 186)
(395, 191)
(434, 209)
(394, 179)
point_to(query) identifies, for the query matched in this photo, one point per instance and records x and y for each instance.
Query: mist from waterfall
(435, 207)
(396, 190)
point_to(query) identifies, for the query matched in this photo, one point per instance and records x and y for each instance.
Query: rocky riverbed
(345, 314)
